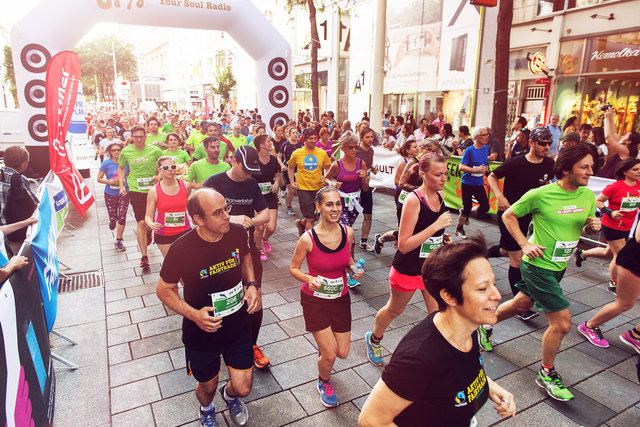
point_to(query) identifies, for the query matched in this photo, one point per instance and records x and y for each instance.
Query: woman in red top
(325, 301)
(617, 219)
(169, 198)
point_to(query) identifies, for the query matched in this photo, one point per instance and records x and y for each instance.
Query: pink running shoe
(628, 339)
(263, 256)
(267, 246)
(594, 335)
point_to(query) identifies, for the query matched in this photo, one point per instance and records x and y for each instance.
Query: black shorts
(205, 365)
(307, 200)
(613, 234)
(285, 175)
(628, 257)
(272, 200)
(139, 204)
(366, 201)
(507, 242)
(320, 313)
(161, 239)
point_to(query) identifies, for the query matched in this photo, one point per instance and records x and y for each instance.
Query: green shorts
(543, 287)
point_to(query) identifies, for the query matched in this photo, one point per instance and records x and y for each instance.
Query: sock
(225, 396)
(119, 240)
(323, 381)
(514, 277)
(363, 240)
(375, 339)
(635, 333)
(487, 327)
(494, 252)
(546, 369)
(208, 408)
(460, 227)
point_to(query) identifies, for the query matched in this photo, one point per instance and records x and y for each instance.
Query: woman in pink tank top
(326, 305)
(169, 199)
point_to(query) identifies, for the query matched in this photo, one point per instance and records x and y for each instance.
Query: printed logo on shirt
(461, 399)
(140, 160)
(222, 266)
(203, 274)
(310, 163)
(544, 179)
(474, 389)
(236, 254)
(570, 209)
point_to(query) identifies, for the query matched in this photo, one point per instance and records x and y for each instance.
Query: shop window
(547, 7)
(571, 54)
(623, 93)
(572, 4)
(568, 97)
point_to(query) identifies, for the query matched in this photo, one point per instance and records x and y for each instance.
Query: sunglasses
(544, 143)
(168, 167)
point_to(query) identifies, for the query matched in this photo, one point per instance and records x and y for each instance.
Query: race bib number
(478, 174)
(265, 187)
(629, 204)
(403, 195)
(227, 302)
(429, 245)
(562, 251)
(329, 288)
(174, 219)
(114, 187)
(145, 183)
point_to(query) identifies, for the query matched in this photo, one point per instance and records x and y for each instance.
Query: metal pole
(140, 79)
(377, 82)
(115, 74)
(97, 91)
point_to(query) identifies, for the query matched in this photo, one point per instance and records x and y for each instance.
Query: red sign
(487, 3)
(61, 89)
(537, 62)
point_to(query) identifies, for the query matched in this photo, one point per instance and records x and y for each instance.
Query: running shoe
(528, 315)
(237, 409)
(290, 211)
(366, 246)
(144, 261)
(208, 418)
(374, 351)
(267, 246)
(552, 383)
(352, 283)
(484, 338)
(460, 212)
(263, 255)
(259, 359)
(628, 339)
(300, 227)
(112, 224)
(579, 258)
(594, 335)
(120, 246)
(612, 287)
(327, 395)
(377, 246)
(460, 232)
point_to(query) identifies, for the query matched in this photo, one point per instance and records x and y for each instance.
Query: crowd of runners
(206, 191)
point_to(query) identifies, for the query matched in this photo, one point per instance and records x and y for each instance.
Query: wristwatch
(253, 283)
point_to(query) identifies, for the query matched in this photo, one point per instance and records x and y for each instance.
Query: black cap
(307, 133)
(247, 156)
(572, 136)
(541, 133)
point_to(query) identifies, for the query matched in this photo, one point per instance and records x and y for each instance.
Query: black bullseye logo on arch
(279, 96)
(38, 128)
(278, 119)
(34, 58)
(34, 93)
(278, 68)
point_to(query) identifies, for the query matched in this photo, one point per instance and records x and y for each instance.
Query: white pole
(115, 74)
(377, 82)
(140, 79)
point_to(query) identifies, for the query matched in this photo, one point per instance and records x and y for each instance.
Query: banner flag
(42, 237)
(61, 89)
(27, 378)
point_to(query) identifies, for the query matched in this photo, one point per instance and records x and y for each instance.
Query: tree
(501, 82)
(9, 74)
(315, 44)
(226, 82)
(97, 64)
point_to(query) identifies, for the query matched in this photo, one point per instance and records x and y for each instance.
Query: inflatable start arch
(53, 26)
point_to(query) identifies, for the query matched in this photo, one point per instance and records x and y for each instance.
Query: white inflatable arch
(53, 26)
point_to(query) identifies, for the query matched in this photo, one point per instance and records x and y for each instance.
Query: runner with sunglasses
(169, 199)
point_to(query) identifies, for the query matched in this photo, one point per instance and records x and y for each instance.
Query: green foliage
(9, 75)
(97, 64)
(226, 82)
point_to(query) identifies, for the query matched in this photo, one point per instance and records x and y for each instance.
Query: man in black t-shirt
(243, 194)
(215, 266)
(518, 146)
(521, 174)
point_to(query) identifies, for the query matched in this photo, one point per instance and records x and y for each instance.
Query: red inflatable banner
(61, 89)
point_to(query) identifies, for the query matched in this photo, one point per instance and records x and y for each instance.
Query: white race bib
(265, 187)
(174, 219)
(562, 251)
(429, 245)
(228, 302)
(403, 195)
(145, 183)
(329, 288)
(114, 187)
(629, 204)
(477, 174)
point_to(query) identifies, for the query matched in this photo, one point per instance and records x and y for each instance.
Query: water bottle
(357, 268)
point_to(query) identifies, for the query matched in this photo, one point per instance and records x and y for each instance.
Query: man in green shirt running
(154, 137)
(141, 159)
(561, 212)
(236, 138)
(202, 169)
(197, 136)
(170, 125)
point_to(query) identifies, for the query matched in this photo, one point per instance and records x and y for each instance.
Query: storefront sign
(521, 60)
(537, 62)
(617, 52)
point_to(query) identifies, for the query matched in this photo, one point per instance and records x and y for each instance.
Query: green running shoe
(484, 338)
(552, 383)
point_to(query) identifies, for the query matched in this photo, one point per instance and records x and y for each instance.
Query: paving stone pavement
(132, 365)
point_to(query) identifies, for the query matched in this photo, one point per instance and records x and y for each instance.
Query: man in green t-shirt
(170, 125)
(202, 169)
(561, 212)
(197, 136)
(236, 138)
(141, 159)
(154, 137)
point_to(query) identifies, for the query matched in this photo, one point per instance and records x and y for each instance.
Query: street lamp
(115, 72)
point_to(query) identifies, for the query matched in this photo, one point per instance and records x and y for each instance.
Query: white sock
(208, 408)
(225, 395)
(487, 327)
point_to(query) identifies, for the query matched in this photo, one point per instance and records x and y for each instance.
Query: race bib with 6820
(329, 288)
